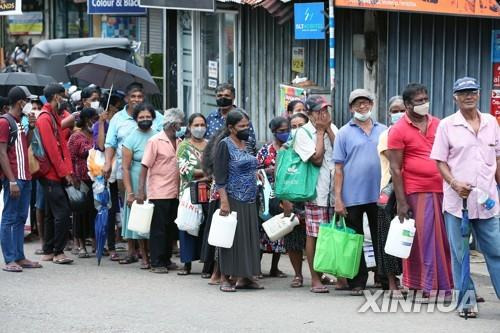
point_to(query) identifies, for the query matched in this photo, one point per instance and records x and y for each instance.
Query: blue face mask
(180, 133)
(396, 116)
(282, 137)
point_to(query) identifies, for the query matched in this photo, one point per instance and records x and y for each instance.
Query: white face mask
(198, 132)
(27, 109)
(293, 131)
(422, 109)
(362, 117)
(94, 105)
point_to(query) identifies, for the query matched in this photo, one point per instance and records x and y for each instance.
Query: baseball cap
(19, 93)
(316, 103)
(360, 93)
(466, 83)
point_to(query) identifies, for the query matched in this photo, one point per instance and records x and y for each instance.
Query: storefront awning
(281, 9)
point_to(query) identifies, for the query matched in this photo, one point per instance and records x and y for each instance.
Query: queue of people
(429, 168)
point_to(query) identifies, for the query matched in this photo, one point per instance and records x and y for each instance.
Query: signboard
(10, 7)
(115, 7)
(298, 59)
(199, 5)
(30, 23)
(213, 69)
(495, 104)
(454, 7)
(309, 20)
(288, 94)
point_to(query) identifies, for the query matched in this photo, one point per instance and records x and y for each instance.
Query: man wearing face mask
(225, 95)
(314, 144)
(357, 175)
(419, 193)
(60, 173)
(16, 181)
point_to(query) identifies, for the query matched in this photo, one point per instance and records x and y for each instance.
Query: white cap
(358, 93)
(76, 96)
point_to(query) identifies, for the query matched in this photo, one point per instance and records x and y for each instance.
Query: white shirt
(305, 147)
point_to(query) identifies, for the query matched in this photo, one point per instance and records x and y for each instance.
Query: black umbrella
(110, 72)
(34, 82)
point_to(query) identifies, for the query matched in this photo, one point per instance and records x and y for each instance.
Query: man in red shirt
(419, 189)
(16, 181)
(57, 209)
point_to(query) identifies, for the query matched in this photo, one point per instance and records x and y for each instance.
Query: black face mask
(145, 124)
(243, 134)
(224, 102)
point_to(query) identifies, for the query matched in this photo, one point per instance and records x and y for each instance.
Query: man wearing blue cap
(467, 151)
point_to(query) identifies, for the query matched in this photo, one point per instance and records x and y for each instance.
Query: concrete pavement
(83, 297)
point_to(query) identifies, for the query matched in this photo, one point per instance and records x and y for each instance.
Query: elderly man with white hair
(159, 166)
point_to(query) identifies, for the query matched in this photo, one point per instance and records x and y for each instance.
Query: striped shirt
(18, 152)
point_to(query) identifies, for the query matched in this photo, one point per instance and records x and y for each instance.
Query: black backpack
(12, 128)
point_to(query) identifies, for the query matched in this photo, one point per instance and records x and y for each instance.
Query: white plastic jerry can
(400, 238)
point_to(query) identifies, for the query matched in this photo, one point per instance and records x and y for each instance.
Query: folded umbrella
(101, 201)
(110, 72)
(466, 296)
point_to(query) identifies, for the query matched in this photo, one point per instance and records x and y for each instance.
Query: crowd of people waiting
(432, 166)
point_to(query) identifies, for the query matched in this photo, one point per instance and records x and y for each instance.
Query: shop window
(71, 19)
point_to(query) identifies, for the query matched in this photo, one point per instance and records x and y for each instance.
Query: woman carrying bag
(236, 182)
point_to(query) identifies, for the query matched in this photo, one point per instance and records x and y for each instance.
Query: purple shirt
(472, 159)
(95, 132)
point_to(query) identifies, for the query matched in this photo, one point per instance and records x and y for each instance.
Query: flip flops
(159, 270)
(128, 260)
(30, 264)
(62, 261)
(250, 286)
(277, 274)
(13, 268)
(297, 282)
(320, 290)
(227, 287)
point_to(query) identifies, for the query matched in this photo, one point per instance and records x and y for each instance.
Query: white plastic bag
(189, 216)
(140, 217)
(222, 230)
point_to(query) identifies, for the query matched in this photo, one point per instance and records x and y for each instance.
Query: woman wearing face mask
(132, 152)
(388, 265)
(280, 127)
(235, 178)
(189, 153)
(79, 145)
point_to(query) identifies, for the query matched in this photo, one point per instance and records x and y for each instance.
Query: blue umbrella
(101, 201)
(465, 304)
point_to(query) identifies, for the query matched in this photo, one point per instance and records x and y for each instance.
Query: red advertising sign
(496, 75)
(495, 104)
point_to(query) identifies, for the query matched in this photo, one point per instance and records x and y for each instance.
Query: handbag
(296, 180)
(189, 216)
(338, 249)
(200, 192)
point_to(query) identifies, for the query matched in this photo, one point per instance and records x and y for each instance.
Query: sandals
(114, 257)
(184, 272)
(159, 270)
(227, 287)
(62, 261)
(327, 281)
(357, 291)
(146, 265)
(469, 314)
(128, 260)
(297, 282)
(206, 275)
(13, 268)
(29, 264)
(172, 266)
(39, 252)
(82, 253)
(320, 290)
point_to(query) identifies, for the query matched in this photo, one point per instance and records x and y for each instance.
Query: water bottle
(483, 198)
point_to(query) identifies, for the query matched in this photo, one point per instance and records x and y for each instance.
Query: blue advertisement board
(309, 20)
(115, 7)
(495, 46)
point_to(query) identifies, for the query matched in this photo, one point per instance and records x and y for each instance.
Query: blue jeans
(487, 234)
(14, 215)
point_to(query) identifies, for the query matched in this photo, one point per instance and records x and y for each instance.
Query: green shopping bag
(348, 249)
(338, 249)
(324, 254)
(295, 179)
